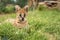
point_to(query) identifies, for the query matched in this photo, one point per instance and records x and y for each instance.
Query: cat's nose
(22, 19)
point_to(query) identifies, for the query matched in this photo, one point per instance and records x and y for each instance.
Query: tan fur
(19, 11)
(17, 22)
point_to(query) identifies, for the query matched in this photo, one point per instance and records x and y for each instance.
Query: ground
(43, 25)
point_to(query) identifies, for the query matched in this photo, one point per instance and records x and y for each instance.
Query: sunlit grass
(43, 25)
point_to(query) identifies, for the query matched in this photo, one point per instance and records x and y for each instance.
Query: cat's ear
(17, 7)
(26, 8)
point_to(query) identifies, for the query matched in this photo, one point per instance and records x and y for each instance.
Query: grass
(43, 25)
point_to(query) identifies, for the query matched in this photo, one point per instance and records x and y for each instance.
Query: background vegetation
(7, 6)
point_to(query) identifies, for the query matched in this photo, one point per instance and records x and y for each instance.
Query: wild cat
(20, 21)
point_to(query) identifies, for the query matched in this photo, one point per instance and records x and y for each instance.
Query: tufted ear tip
(26, 8)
